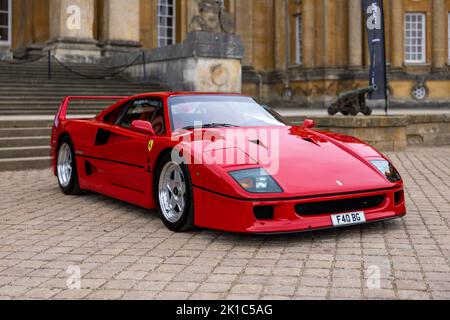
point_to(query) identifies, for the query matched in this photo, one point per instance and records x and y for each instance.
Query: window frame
(9, 25)
(159, 37)
(423, 52)
(298, 39)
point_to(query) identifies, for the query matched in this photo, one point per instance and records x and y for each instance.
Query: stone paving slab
(124, 252)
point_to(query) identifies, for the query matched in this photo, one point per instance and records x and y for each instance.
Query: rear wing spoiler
(61, 115)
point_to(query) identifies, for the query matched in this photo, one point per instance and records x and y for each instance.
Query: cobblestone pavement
(125, 252)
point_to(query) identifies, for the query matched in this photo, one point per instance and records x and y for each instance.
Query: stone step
(25, 152)
(42, 102)
(24, 132)
(24, 142)
(25, 123)
(56, 96)
(74, 86)
(56, 69)
(5, 87)
(16, 164)
(49, 112)
(88, 75)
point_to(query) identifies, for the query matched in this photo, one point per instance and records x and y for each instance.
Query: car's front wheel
(67, 169)
(174, 195)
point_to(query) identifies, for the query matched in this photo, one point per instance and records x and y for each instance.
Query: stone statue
(212, 18)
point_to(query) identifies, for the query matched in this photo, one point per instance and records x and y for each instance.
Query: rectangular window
(298, 39)
(415, 38)
(5, 21)
(166, 22)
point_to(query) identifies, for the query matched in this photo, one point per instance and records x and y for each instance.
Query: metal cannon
(352, 102)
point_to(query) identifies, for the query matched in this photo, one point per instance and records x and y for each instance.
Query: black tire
(73, 187)
(186, 221)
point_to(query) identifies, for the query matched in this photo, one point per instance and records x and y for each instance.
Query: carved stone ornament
(212, 18)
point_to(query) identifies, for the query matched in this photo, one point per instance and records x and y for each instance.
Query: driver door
(127, 151)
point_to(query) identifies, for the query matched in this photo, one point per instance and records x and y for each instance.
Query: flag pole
(375, 25)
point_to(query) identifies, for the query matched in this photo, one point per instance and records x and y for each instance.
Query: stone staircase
(26, 90)
(29, 100)
(24, 144)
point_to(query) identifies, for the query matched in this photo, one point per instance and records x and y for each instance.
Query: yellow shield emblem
(150, 145)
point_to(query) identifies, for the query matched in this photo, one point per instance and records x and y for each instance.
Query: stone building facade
(297, 52)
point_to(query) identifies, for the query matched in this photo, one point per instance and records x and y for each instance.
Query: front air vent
(399, 196)
(264, 212)
(339, 206)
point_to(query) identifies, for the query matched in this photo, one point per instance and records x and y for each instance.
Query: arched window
(5, 22)
(166, 22)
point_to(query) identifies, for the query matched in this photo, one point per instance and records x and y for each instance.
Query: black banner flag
(374, 22)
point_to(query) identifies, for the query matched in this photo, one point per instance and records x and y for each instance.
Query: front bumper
(219, 212)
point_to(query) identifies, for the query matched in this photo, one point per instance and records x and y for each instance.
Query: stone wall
(392, 133)
(429, 129)
(203, 62)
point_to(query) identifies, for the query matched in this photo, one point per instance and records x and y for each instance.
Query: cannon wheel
(332, 110)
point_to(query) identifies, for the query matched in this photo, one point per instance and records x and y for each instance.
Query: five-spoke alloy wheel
(174, 195)
(66, 168)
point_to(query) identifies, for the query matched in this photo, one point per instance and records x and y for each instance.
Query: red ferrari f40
(223, 162)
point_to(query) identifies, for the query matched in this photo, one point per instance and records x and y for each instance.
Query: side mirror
(143, 127)
(309, 124)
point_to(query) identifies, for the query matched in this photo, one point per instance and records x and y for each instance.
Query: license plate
(346, 219)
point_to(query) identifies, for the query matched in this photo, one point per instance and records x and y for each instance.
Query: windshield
(212, 111)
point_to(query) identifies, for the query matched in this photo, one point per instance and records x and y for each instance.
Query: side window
(114, 116)
(150, 110)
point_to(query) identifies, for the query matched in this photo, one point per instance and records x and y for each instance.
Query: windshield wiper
(211, 125)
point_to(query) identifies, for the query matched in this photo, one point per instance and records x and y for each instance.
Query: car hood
(304, 162)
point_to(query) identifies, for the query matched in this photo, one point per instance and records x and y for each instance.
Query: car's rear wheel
(66, 168)
(174, 195)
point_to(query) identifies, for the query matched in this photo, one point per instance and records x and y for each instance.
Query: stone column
(121, 27)
(244, 28)
(309, 33)
(355, 53)
(280, 34)
(72, 30)
(397, 35)
(439, 33)
(329, 35)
